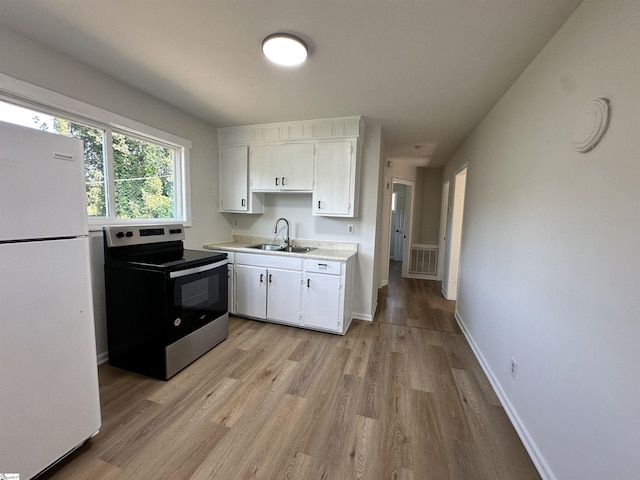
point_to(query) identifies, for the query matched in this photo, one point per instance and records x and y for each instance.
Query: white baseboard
(445, 294)
(534, 452)
(103, 357)
(362, 316)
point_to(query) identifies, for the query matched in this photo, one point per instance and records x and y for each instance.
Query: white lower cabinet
(251, 291)
(283, 299)
(309, 293)
(323, 295)
(268, 287)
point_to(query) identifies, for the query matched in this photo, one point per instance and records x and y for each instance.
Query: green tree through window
(143, 175)
(93, 163)
(143, 172)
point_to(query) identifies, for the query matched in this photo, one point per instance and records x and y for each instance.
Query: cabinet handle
(276, 181)
(269, 278)
(243, 202)
(318, 204)
(308, 280)
(283, 181)
(323, 265)
(261, 277)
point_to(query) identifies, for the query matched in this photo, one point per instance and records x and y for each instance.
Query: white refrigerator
(49, 401)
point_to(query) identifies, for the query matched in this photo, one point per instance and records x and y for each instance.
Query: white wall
(428, 198)
(296, 208)
(35, 63)
(550, 269)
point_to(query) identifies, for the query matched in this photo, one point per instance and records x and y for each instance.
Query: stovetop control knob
(129, 234)
(120, 234)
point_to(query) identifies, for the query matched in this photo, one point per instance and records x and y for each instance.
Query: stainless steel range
(166, 306)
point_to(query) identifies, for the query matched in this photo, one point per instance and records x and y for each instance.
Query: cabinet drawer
(322, 266)
(268, 261)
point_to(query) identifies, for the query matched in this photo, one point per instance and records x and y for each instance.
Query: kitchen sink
(281, 248)
(268, 246)
(297, 249)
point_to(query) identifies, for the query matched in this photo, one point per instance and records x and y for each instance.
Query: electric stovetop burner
(179, 260)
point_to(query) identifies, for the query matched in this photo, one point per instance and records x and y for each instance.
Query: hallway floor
(399, 398)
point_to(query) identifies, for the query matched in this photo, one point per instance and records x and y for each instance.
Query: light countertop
(324, 250)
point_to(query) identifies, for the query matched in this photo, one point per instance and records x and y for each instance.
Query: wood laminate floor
(399, 398)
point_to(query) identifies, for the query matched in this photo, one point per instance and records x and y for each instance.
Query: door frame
(453, 244)
(444, 224)
(394, 246)
(408, 215)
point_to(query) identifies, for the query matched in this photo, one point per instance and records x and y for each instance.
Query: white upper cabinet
(235, 195)
(281, 167)
(335, 174)
(317, 156)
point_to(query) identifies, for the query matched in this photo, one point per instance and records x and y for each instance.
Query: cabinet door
(334, 193)
(296, 166)
(251, 291)
(283, 297)
(234, 189)
(321, 300)
(282, 167)
(265, 168)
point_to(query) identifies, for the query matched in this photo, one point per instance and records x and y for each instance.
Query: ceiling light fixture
(284, 49)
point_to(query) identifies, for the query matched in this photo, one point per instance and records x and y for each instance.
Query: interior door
(398, 222)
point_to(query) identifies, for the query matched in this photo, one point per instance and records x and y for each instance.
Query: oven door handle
(201, 268)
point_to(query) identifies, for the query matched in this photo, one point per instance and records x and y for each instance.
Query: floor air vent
(424, 259)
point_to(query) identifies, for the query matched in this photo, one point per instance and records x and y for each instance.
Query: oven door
(200, 295)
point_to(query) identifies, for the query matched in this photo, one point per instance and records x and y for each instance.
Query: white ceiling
(427, 70)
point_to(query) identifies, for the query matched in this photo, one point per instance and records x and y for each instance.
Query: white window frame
(34, 97)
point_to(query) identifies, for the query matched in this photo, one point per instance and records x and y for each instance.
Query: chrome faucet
(275, 229)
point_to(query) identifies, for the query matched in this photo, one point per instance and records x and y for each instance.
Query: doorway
(400, 222)
(454, 234)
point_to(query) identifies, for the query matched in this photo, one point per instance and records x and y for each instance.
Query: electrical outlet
(235, 222)
(514, 367)
(350, 228)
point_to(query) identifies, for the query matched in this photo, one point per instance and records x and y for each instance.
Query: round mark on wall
(591, 125)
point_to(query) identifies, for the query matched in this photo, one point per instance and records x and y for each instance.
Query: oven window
(198, 294)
